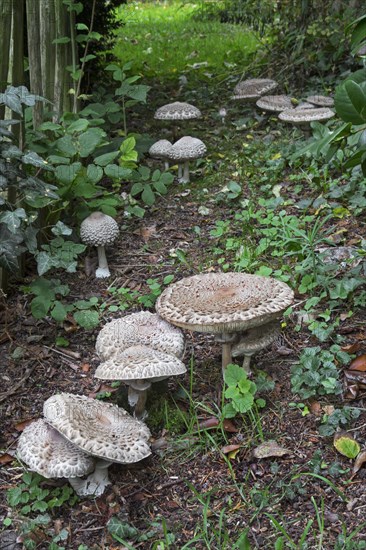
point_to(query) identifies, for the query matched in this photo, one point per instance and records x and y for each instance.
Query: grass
(166, 39)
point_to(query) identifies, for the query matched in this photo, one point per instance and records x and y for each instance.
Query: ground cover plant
(250, 464)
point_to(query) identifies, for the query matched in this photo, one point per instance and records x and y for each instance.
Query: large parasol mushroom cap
(144, 328)
(253, 88)
(320, 100)
(275, 103)
(48, 453)
(223, 302)
(140, 363)
(305, 116)
(100, 429)
(177, 111)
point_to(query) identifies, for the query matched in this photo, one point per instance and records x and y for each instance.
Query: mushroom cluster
(229, 305)
(79, 436)
(139, 349)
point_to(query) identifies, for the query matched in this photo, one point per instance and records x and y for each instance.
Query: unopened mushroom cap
(320, 100)
(48, 453)
(275, 103)
(159, 149)
(98, 229)
(140, 362)
(253, 88)
(100, 429)
(177, 111)
(223, 302)
(187, 148)
(144, 328)
(256, 338)
(304, 116)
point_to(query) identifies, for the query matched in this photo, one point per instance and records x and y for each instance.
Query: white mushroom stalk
(96, 482)
(184, 150)
(99, 230)
(254, 340)
(139, 366)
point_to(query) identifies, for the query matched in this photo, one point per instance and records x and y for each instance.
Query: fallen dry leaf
(352, 348)
(211, 422)
(359, 462)
(228, 449)
(270, 448)
(345, 444)
(85, 367)
(146, 232)
(359, 363)
(229, 426)
(316, 408)
(6, 458)
(21, 425)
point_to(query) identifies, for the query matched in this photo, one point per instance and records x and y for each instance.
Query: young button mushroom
(99, 429)
(224, 304)
(254, 340)
(144, 328)
(139, 366)
(45, 451)
(159, 150)
(99, 230)
(185, 149)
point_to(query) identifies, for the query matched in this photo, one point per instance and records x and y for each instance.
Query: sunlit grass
(170, 38)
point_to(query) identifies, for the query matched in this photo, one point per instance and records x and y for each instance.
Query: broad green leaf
(61, 229)
(90, 140)
(346, 445)
(160, 187)
(13, 219)
(233, 374)
(67, 146)
(67, 173)
(40, 307)
(357, 95)
(345, 98)
(136, 189)
(87, 319)
(148, 195)
(117, 172)
(59, 312)
(107, 158)
(94, 173)
(44, 263)
(79, 125)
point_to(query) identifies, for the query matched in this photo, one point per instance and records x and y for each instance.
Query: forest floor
(202, 487)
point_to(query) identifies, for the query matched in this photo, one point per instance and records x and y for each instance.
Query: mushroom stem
(103, 270)
(226, 355)
(95, 483)
(185, 177)
(137, 400)
(246, 363)
(180, 171)
(166, 165)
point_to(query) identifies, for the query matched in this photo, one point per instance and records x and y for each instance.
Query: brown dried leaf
(85, 367)
(360, 460)
(211, 422)
(229, 426)
(352, 348)
(270, 448)
(315, 408)
(21, 425)
(359, 363)
(146, 232)
(6, 458)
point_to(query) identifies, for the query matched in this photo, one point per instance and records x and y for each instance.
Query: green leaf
(13, 219)
(44, 262)
(90, 140)
(14, 496)
(94, 173)
(67, 173)
(347, 98)
(233, 374)
(87, 319)
(160, 187)
(117, 172)
(58, 312)
(147, 195)
(79, 125)
(107, 158)
(66, 145)
(62, 40)
(346, 445)
(40, 307)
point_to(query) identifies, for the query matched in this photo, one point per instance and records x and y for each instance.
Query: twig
(67, 354)
(14, 389)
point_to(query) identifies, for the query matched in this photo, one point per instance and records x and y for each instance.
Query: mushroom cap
(320, 100)
(139, 328)
(304, 116)
(223, 302)
(304, 105)
(256, 338)
(275, 103)
(177, 111)
(253, 88)
(98, 229)
(100, 429)
(49, 454)
(159, 149)
(140, 363)
(187, 148)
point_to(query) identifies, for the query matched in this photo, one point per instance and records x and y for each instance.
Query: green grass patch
(168, 39)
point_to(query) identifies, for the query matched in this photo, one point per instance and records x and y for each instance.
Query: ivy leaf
(87, 319)
(40, 307)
